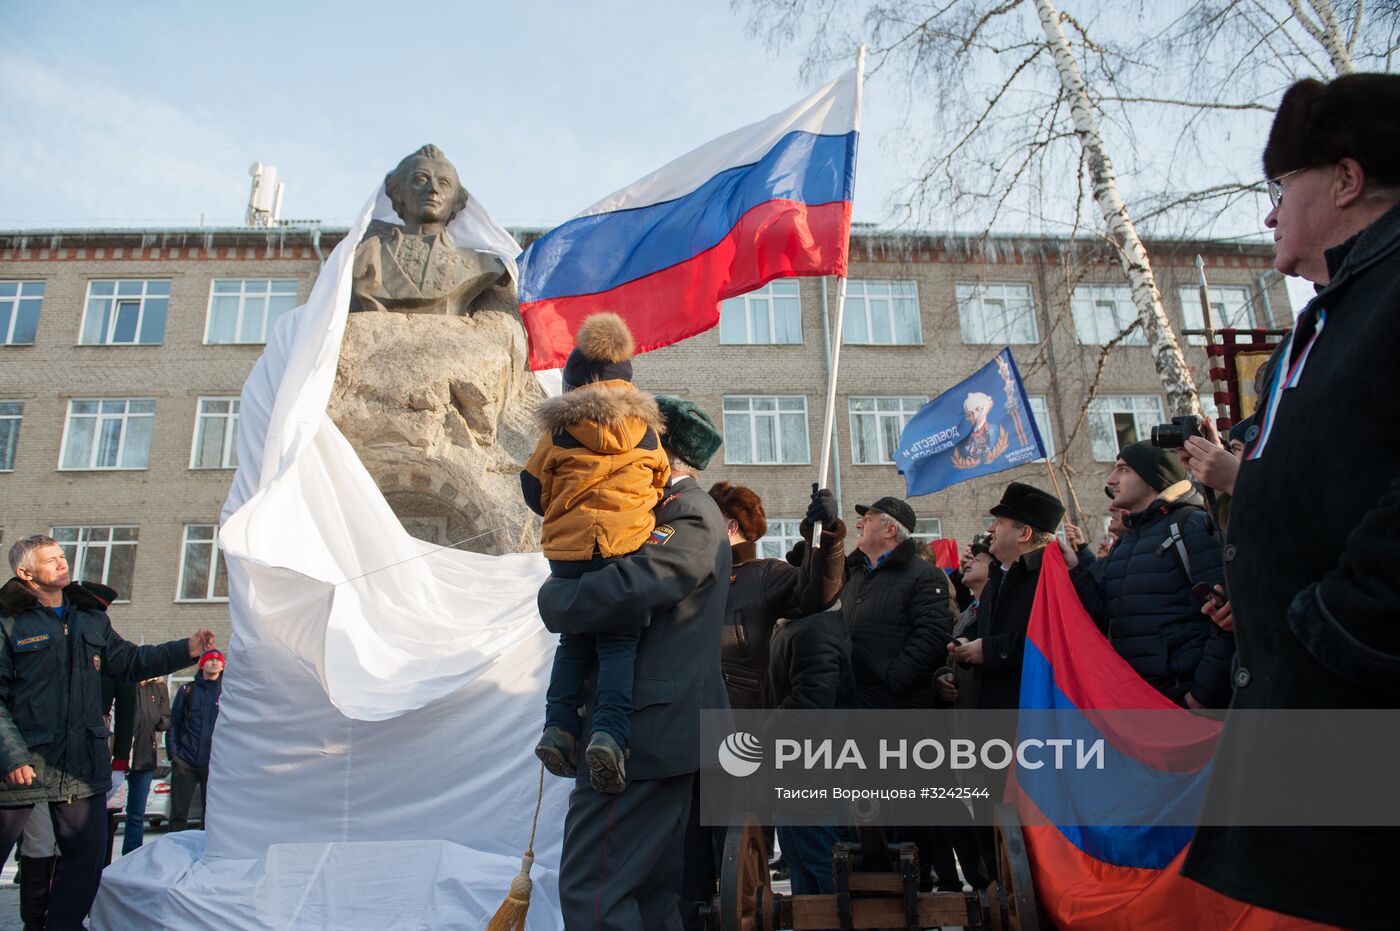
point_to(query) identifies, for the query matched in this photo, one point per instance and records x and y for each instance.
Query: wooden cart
(877, 887)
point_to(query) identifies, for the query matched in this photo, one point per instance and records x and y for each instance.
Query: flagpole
(829, 421)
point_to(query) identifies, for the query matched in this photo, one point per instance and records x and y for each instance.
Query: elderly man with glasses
(1313, 588)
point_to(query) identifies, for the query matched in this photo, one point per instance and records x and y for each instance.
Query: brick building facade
(122, 354)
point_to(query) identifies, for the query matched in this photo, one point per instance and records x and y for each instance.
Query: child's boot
(557, 751)
(605, 757)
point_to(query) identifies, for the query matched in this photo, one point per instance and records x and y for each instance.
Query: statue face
(428, 191)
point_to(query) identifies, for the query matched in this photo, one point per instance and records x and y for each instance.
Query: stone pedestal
(440, 411)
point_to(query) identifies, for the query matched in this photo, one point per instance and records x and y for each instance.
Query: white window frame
(858, 300)
(1043, 424)
(1230, 306)
(776, 415)
(228, 457)
(996, 313)
(765, 302)
(213, 566)
(142, 299)
(125, 417)
(909, 405)
(782, 535)
(84, 542)
(1102, 311)
(243, 294)
(24, 292)
(13, 450)
(927, 529)
(1145, 409)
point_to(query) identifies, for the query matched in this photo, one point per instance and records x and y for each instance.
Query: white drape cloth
(373, 762)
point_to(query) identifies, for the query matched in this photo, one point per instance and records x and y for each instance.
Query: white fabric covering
(373, 765)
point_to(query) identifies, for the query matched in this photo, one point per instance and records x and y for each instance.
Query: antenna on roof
(265, 198)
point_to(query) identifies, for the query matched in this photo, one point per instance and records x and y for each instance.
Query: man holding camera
(1141, 594)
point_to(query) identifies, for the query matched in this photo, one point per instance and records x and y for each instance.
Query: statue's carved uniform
(415, 274)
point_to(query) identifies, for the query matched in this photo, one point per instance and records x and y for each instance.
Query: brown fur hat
(1350, 117)
(602, 351)
(741, 504)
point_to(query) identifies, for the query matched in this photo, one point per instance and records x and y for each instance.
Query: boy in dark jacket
(190, 739)
(595, 476)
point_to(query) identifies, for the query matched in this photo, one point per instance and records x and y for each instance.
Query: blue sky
(136, 114)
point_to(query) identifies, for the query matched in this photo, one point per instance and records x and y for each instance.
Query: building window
(125, 313)
(997, 313)
(1229, 307)
(876, 424)
(1116, 421)
(1101, 312)
(781, 537)
(243, 310)
(927, 529)
(203, 576)
(10, 414)
(882, 313)
(1041, 412)
(108, 434)
(19, 311)
(765, 430)
(216, 434)
(772, 314)
(100, 554)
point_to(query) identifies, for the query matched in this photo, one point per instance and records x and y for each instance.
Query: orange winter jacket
(598, 470)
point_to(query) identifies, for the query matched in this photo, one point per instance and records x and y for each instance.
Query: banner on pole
(980, 426)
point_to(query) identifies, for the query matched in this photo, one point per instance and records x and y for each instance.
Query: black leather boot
(35, 875)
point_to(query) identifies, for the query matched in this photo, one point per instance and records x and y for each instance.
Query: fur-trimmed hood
(16, 597)
(605, 416)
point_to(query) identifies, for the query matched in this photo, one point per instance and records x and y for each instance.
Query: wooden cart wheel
(745, 885)
(1012, 899)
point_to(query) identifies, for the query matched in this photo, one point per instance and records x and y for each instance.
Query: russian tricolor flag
(1125, 877)
(771, 200)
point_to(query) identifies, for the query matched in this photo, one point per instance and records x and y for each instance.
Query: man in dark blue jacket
(621, 867)
(190, 737)
(1140, 593)
(58, 644)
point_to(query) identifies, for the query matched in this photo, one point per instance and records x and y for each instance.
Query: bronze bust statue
(416, 268)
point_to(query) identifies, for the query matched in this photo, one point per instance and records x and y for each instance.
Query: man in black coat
(58, 644)
(1314, 591)
(897, 609)
(622, 862)
(1140, 593)
(1023, 524)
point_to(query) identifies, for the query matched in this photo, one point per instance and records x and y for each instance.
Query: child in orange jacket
(596, 474)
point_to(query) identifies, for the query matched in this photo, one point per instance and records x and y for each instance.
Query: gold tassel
(511, 915)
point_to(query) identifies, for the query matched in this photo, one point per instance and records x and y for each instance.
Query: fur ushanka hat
(1320, 124)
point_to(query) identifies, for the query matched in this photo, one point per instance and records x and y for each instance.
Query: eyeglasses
(1275, 186)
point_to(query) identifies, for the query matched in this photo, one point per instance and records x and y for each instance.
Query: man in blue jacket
(58, 644)
(190, 737)
(1140, 593)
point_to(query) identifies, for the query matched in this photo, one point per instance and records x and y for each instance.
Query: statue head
(424, 188)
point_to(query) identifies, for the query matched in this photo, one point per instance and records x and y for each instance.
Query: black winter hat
(690, 433)
(1156, 467)
(1241, 430)
(1350, 117)
(1027, 504)
(602, 352)
(894, 507)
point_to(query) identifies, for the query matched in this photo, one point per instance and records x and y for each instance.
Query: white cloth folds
(373, 762)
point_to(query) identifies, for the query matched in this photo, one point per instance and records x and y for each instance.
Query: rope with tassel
(511, 915)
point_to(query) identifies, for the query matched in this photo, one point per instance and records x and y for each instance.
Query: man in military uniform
(58, 643)
(416, 268)
(623, 854)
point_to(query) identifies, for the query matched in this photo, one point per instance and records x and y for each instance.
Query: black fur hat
(1320, 124)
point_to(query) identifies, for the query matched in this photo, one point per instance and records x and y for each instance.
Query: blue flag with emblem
(981, 425)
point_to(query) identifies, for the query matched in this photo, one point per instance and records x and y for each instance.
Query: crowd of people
(1216, 583)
